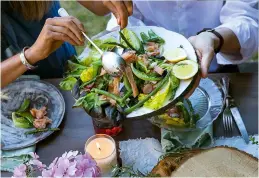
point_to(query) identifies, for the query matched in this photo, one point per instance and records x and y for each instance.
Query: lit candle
(102, 148)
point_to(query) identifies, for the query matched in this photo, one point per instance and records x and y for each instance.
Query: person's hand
(205, 43)
(121, 10)
(54, 33)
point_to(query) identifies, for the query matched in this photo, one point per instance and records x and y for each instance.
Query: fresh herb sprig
(252, 139)
(40, 131)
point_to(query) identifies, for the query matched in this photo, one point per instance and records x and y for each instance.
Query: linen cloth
(13, 158)
(189, 17)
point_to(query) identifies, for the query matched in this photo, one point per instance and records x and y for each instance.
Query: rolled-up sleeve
(242, 18)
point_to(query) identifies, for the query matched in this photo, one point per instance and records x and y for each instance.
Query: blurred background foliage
(93, 23)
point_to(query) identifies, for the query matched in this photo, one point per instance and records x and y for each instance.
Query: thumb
(205, 63)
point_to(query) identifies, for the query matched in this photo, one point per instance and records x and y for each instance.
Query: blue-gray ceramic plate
(41, 94)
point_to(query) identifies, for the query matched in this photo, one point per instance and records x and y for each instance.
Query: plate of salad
(196, 112)
(31, 110)
(161, 67)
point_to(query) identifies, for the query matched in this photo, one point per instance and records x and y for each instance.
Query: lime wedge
(176, 55)
(185, 69)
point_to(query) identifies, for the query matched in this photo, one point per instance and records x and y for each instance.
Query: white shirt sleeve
(242, 18)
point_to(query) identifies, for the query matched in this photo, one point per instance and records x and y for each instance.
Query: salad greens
(23, 118)
(68, 83)
(149, 72)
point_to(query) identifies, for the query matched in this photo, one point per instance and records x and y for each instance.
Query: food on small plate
(185, 69)
(181, 114)
(150, 78)
(29, 118)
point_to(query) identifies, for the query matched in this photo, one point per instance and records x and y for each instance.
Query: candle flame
(98, 146)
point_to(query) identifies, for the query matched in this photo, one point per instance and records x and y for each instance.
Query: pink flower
(34, 155)
(70, 154)
(37, 163)
(20, 171)
(65, 168)
(54, 162)
(86, 166)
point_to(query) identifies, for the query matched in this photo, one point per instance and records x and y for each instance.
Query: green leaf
(93, 55)
(157, 101)
(155, 38)
(24, 106)
(175, 82)
(133, 39)
(68, 83)
(180, 106)
(103, 44)
(141, 66)
(27, 115)
(89, 101)
(72, 66)
(21, 122)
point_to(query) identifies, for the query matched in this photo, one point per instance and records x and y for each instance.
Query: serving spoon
(112, 63)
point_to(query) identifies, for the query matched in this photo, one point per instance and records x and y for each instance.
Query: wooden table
(77, 126)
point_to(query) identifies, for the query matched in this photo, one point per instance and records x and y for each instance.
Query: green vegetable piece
(117, 44)
(157, 101)
(110, 95)
(144, 76)
(186, 117)
(193, 116)
(103, 44)
(24, 106)
(40, 131)
(126, 83)
(126, 96)
(144, 37)
(89, 101)
(93, 55)
(21, 122)
(175, 82)
(27, 115)
(142, 67)
(140, 103)
(68, 83)
(155, 38)
(131, 40)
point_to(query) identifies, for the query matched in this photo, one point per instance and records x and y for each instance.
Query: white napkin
(142, 154)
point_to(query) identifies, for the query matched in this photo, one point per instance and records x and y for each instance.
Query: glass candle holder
(102, 148)
(105, 126)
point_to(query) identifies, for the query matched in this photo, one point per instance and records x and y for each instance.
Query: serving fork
(227, 115)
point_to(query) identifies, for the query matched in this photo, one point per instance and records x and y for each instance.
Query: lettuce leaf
(68, 83)
(157, 101)
(89, 101)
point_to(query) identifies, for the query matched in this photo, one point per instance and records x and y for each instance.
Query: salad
(151, 76)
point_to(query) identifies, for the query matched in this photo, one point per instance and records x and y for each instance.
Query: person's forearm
(96, 7)
(12, 68)
(231, 44)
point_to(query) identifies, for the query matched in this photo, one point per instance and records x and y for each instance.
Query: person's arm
(55, 31)
(239, 31)
(121, 9)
